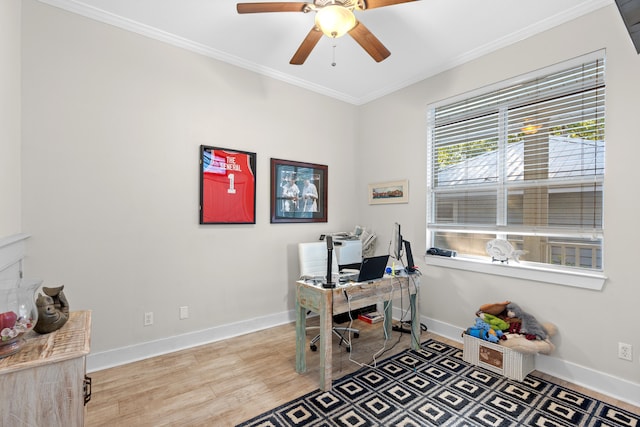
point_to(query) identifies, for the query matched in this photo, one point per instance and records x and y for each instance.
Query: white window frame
(561, 275)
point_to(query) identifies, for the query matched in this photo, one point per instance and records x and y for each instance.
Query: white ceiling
(425, 37)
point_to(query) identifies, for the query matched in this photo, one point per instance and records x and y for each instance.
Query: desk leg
(415, 322)
(388, 312)
(301, 337)
(326, 344)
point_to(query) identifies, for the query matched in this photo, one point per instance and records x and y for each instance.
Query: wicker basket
(496, 358)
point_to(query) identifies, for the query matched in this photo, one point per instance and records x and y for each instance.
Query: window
(523, 162)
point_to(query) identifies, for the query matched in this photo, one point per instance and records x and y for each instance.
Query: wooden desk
(314, 297)
(44, 383)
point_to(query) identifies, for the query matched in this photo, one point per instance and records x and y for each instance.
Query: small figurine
(501, 250)
(53, 310)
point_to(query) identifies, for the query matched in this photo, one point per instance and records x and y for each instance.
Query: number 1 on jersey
(231, 189)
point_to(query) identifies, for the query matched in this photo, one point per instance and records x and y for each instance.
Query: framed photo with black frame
(227, 186)
(298, 191)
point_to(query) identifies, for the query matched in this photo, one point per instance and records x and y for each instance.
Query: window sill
(578, 279)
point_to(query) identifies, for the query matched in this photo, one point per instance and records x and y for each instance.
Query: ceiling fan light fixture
(335, 20)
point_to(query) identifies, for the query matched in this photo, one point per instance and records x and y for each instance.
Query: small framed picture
(227, 186)
(298, 191)
(389, 192)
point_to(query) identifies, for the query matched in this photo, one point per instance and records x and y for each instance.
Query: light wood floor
(227, 382)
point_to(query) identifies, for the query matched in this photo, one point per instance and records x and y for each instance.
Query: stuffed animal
(529, 325)
(481, 324)
(482, 334)
(484, 331)
(495, 322)
(494, 308)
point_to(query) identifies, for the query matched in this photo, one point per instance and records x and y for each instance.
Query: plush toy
(496, 323)
(481, 324)
(482, 334)
(494, 308)
(483, 330)
(529, 325)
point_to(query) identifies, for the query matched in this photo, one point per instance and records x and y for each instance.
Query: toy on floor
(507, 324)
(529, 325)
(484, 331)
(495, 322)
(495, 309)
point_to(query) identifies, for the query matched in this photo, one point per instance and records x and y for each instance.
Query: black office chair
(312, 258)
(338, 331)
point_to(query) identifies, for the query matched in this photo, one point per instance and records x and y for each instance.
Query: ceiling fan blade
(306, 47)
(372, 4)
(369, 42)
(277, 6)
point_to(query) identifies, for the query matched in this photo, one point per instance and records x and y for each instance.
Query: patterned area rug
(435, 387)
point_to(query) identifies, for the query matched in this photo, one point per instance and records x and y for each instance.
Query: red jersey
(228, 188)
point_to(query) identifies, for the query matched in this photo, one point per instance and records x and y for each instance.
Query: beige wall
(10, 117)
(113, 122)
(590, 323)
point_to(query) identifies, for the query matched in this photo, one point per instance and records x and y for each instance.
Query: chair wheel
(313, 347)
(356, 335)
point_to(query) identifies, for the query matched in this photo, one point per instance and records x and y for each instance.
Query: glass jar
(18, 313)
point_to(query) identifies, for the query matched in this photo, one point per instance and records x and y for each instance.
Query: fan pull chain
(333, 64)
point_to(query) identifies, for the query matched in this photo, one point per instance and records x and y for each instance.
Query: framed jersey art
(227, 186)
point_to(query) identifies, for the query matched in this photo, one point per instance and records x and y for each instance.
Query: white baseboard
(145, 350)
(617, 388)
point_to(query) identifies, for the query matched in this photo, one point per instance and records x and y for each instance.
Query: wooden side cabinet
(45, 383)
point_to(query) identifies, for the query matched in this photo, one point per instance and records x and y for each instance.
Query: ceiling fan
(334, 18)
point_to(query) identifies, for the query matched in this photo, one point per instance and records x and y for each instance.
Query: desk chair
(312, 258)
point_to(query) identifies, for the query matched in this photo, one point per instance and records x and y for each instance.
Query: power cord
(383, 350)
(405, 326)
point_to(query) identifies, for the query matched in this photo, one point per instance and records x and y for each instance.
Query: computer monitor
(396, 242)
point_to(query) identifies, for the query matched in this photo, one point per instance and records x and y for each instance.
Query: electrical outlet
(184, 312)
(148, 318)
(625, 351)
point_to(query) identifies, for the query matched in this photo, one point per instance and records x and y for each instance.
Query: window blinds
(523, 160)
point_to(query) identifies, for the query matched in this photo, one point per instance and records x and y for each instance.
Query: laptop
(372, 268)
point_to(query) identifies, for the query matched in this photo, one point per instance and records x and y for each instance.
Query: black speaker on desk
(329, 282)
(630, 12)
(411, 266)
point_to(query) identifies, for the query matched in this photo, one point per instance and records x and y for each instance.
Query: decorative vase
(18, 313)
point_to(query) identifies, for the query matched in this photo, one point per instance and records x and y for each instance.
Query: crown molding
(100, 15)
(109, 18)
(522, 34)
